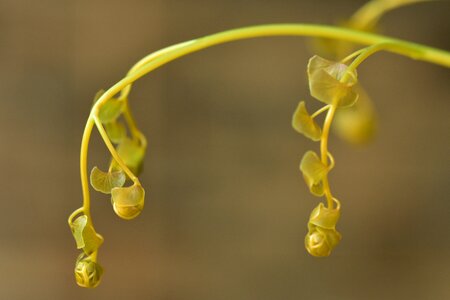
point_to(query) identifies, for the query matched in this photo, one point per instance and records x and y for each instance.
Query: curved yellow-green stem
(159, 58)
(369, 14)
(361, 55)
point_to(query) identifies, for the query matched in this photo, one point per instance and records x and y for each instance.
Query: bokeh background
(226, 207)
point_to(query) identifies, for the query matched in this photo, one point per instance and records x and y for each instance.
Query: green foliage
(85, 235)
(326, 82)
(313, 172)
(116, 131)
(110, 110)
(105, 181)
(132, 152)
(331, 82)
(304, 124)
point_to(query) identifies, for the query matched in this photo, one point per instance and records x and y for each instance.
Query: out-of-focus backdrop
(226, 207)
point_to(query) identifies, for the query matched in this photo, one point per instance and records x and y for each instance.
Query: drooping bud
(128, 202)
(87, 272)
(320, 242)
(322, 235)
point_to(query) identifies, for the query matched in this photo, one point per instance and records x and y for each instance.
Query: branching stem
(362, 55)
(166, 55)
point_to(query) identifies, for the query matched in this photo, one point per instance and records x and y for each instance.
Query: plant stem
(83, 167)
(363, 54)
(166, 55)
(161, 57)
(112, 150)
(130, 120)
(369, 14)
(321, 110)
(324, 151)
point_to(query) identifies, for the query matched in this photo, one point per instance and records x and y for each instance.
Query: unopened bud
(87, 272)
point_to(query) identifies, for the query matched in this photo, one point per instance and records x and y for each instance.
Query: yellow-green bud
(322, 236)
(128, 212)
(128, 202)
(87, 272)
(320, 242)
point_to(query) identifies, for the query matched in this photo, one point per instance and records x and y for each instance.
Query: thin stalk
(83, 167)
(113, 151)
(321, 110)
(164, 56)
(369, 14)
(362, 55)
(324, 151)
(161, 57)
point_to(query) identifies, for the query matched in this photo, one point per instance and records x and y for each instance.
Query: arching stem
(164, 56)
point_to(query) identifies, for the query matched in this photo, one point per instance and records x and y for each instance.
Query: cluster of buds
(334, 84)
(87, 271)
(127, 201)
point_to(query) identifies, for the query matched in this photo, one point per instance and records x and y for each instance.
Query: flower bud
(128, 212)
(322, 236)
(128, 202)
(87, 272)
(320, 242)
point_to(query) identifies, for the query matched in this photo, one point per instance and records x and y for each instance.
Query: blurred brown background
(226, 207)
